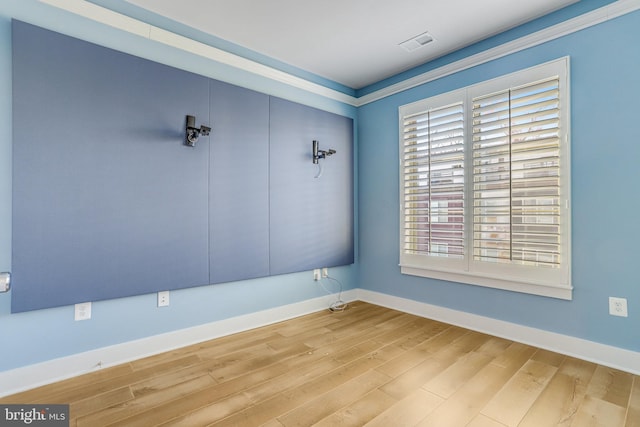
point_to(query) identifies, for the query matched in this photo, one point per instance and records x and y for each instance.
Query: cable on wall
(339, 305)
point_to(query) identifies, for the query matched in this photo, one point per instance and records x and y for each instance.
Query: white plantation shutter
(484, 184)
(516, 175)
(433, 182)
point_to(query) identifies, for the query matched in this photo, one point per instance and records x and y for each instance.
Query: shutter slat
(433, 169)
(516, 150)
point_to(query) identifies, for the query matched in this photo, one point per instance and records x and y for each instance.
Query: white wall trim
(122, 22)
(28, 377)
(134, 26)
(589, 19)
(614, 357)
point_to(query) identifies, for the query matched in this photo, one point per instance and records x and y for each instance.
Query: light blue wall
(32, 337)
(605, 177)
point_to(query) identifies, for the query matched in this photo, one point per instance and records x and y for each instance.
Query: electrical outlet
(82, 311)
(325, 272)
(316, 274)
(5, 282)
(163, 299)
(618, 306)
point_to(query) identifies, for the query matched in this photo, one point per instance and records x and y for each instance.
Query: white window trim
(556, 284)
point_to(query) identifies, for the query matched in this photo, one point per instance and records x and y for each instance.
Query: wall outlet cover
(5, 282)
(618, 307)
(83, 311)
(163, 299)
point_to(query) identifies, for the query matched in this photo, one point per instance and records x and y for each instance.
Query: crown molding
(134, 26)
(122, 22)
(589, 19)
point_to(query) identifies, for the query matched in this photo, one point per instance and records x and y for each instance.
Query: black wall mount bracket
(193, 133)
(320, 154)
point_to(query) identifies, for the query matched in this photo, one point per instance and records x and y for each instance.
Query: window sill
(560, 292)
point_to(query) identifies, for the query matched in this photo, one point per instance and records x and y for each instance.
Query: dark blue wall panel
(239, 183)
(311, 219)
(107, 201)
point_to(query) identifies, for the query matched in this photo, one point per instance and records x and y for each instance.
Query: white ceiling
(352, 42)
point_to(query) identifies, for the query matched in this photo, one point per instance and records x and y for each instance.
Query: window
(484, 184)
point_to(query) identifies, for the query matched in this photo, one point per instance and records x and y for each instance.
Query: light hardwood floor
(366, 366)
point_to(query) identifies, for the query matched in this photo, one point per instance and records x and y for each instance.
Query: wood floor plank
(513, 401)
(329, 358)
(447, 349)
(348, 328)
(210, 413)
(218, 401)
(396, 322)
(235, 394)
(116, 413)
(466, 403)
(311, 321)
(336, 377)
(104, 383)
(484, 421)
(611, 385)
(367, 365)
(174, 376)
(309, 390)
(216, 352)
(560, 400)
(100, 402)
(494, 346)
(436, 336)
(408, 411)
(333, 400)
(361, 317)
(455, 376)
(633, 411)
(358, 412)
(237, 367)
(297, 376)
(272, 423)
(549, 357)
(596, 412)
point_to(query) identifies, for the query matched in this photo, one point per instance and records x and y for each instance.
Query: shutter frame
(535, 168)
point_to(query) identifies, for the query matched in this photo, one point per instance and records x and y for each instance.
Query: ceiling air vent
(416, 42)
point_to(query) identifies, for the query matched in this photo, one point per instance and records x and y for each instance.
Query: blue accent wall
(605, 177)
(41, 335)
(109, 202)
(307, 227)
(239, 182)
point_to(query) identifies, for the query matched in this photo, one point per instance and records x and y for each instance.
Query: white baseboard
(20, 379)
(614, 357)
(27, 377)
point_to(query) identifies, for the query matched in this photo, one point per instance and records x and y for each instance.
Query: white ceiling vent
(416, 42)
